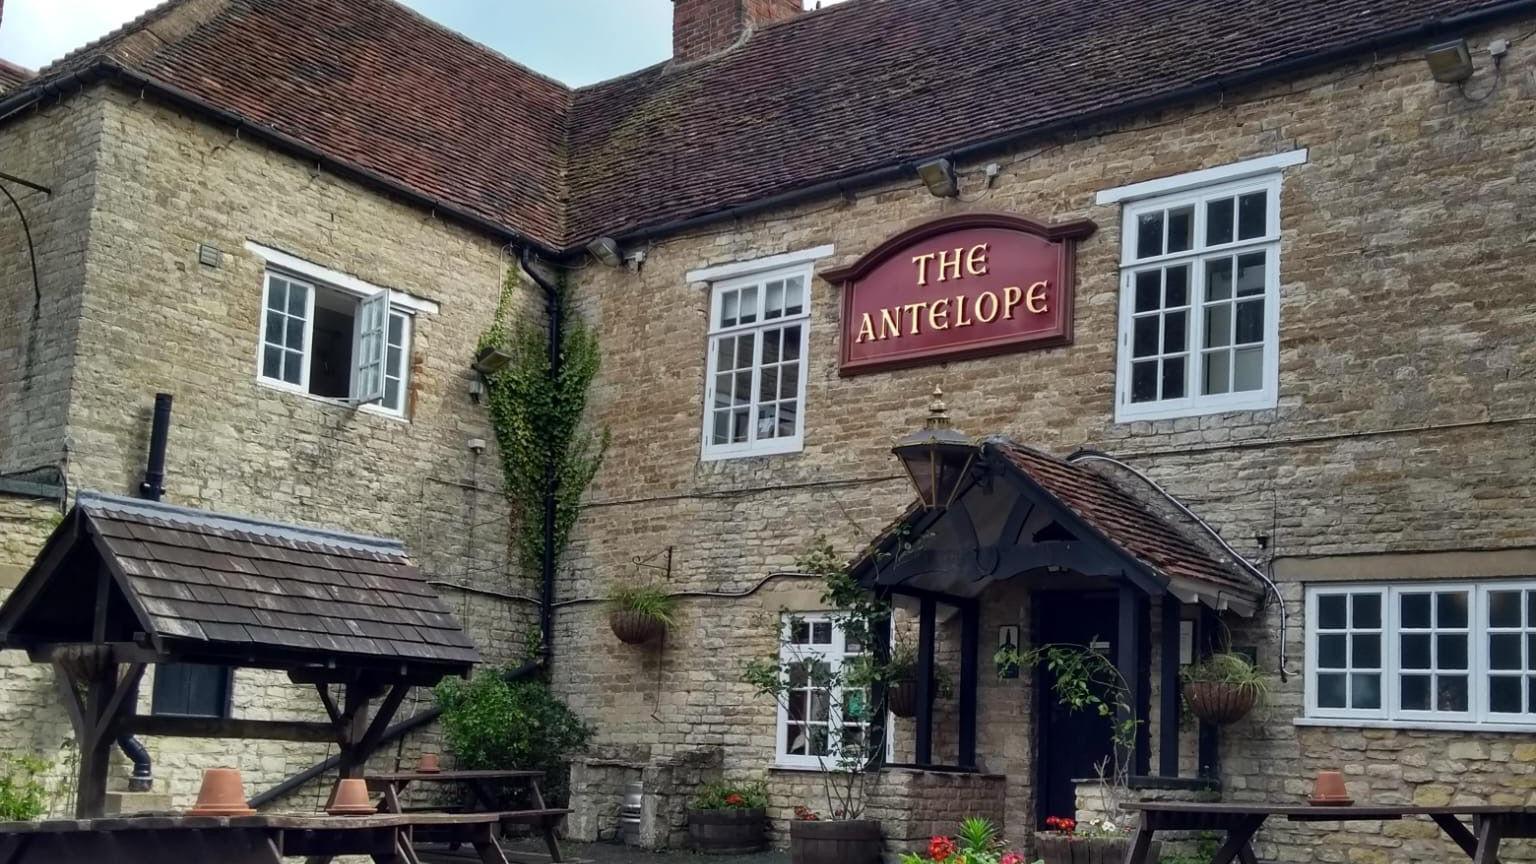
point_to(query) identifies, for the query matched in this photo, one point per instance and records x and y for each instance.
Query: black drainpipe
(143, 777)
(553, 311)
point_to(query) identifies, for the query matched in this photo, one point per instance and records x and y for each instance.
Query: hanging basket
(635, 628)
(1218, 702)
(902, 698)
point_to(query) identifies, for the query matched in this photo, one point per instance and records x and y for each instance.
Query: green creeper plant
(538, 420)
(493, 724)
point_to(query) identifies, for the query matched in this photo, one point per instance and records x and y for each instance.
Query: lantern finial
(938, 412)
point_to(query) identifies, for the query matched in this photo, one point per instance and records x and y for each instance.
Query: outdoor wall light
(491, 360)
(1450, 62)
(606, 250)
(936, 457)
(939, 176)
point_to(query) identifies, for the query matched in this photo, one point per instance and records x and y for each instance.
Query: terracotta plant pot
(1067, 849)
(429, 764)
(1330, 789)
(848, 841)
(728, 832)
(635, 628)
(351, 798)
(902, 698)
(222, 794)
(1218, 702)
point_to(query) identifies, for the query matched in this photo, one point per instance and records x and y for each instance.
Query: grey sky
(575, 41)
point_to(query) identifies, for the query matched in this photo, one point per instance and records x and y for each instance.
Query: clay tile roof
(12, 76)
(213, 581)
(1125, 521)
(859, 87)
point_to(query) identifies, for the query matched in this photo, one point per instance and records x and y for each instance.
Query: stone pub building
(1234, 301)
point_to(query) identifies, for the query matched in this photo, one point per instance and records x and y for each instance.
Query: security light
(1450, 62)
(939, 176)
(606, 250)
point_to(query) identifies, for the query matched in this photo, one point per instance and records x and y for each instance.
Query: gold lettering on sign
(982, 314)
(922, 267)
(960, 319)
(866, 329)
(938, 314)
(914, 310)
(890, 323)
(976, 260)
(948, 264)
(1034, 300)
(1012, 296)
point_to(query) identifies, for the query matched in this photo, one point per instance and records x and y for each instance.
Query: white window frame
(1478, 717)
(1195, 189)
(804, 270)
(834, 655)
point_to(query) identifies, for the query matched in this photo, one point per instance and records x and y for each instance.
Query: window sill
(1125, 416)
(1414, 725)
(787, 447)
(381, 413)
(803, 769)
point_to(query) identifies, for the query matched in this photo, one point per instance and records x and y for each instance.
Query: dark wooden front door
(1072, 744)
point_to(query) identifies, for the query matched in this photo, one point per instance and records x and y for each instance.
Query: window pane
(773, 306)
(1330, 691)
(1218, 372)
(1218, 325)
(392, 393)
(1218, 222)
(792, 340)
(1331, 611)
(293, 366)
(1175, 327)
(293, 334)
(1218, 279)
(1331, 652)
(742, 391)
(1365, 611)
(1250, 274)
(789, 381)
(1451, 609)
(730, 308)
(725, 351)
(1365, 691)
(768, 384)
(392, 359)
(1451, 693)
(1249, 372)
(768, 421)
(787, 413)
(748, 305)
(298, 297)
(746, 346)
(1415, 610)
(1144, 336)
(1504, 608)
(1173, 378)
(1250, 215)
(771, 342)
(723, 390)
(1144, 381)
(821, 705)
(794, 291)
(799, 632)
(821, 633)
(1367, 651)
(1181, 229)
(1149, 290)
(721, 434)
(1416, 651)
(277, 294)
(1149, 235)
(1414, 692)
(272, 362)
(1250, 322)
(739, 418)
(1504, 651)
(1178, 286)
(1505, 696)
(1451, 651)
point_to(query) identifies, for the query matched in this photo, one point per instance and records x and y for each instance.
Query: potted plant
(845, 760)
(1103, 842)
(639, 613)
(729, 820)
(901, 680)
(1223, 688)
(977, 842)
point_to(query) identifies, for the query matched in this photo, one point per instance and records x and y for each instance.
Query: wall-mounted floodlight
(606, 250)
(1450, 62)
(939, 176)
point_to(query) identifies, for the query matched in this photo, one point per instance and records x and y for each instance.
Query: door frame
(1042, 693)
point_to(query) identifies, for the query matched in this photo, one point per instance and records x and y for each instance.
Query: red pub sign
(957, 287)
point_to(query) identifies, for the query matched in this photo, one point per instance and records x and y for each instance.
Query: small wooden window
(192, 690)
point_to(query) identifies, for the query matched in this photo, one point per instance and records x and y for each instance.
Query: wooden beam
(70, 696)
(381, 719)
(116, 652)
(329, 702)
(220, 727)
(1142, 764)
(1128, 658)
(970, 646)
(879, 721)
(1207, 637)
(95, 751)
(354, 725)
(927, 624)
(127, 687)
(1168, 693)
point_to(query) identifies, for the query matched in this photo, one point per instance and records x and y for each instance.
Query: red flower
(805, 814)
(734, 800)
(941, 848)
(1011, 858)
(1064, 824)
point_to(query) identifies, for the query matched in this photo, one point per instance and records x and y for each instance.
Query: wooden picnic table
(259, 839)
(1490, 824)
(541, 818)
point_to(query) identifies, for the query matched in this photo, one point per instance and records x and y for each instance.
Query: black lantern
(936, 457)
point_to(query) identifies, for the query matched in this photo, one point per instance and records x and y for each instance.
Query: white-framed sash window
(754, 400)
(817, 717)
(1439, 654)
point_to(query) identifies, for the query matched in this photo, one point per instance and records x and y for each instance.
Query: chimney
(704, 27)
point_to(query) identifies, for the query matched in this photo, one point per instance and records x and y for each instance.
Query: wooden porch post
(970, 639)
(878, 696)
(1210, 750)
(1168, 702)
(926, 624)
(1128, 657)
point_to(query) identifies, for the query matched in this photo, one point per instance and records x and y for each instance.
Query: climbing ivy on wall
(537, 419)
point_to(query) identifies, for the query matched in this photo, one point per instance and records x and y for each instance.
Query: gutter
(903, 170)
(554, 312)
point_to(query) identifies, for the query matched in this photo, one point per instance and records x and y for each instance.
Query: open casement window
(1200, 290)
(334, 343)
(754, 401)
(817, 718)
(1435, 654)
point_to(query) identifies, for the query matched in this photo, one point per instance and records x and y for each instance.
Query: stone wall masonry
(1404, 423)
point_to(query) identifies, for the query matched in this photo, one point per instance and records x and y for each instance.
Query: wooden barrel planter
(1066, 849)
(728, 832)
(635, 628)
(1218, 702)
(849, 841)
(902, 698)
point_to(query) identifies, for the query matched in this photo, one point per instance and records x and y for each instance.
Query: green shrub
(22, 792)
(492, 724)
(647, 600)
(724, 796)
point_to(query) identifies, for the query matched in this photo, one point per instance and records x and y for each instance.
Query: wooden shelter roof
(199, 586)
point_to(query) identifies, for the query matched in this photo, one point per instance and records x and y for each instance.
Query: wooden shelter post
(926, 625)
(1168, 693)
